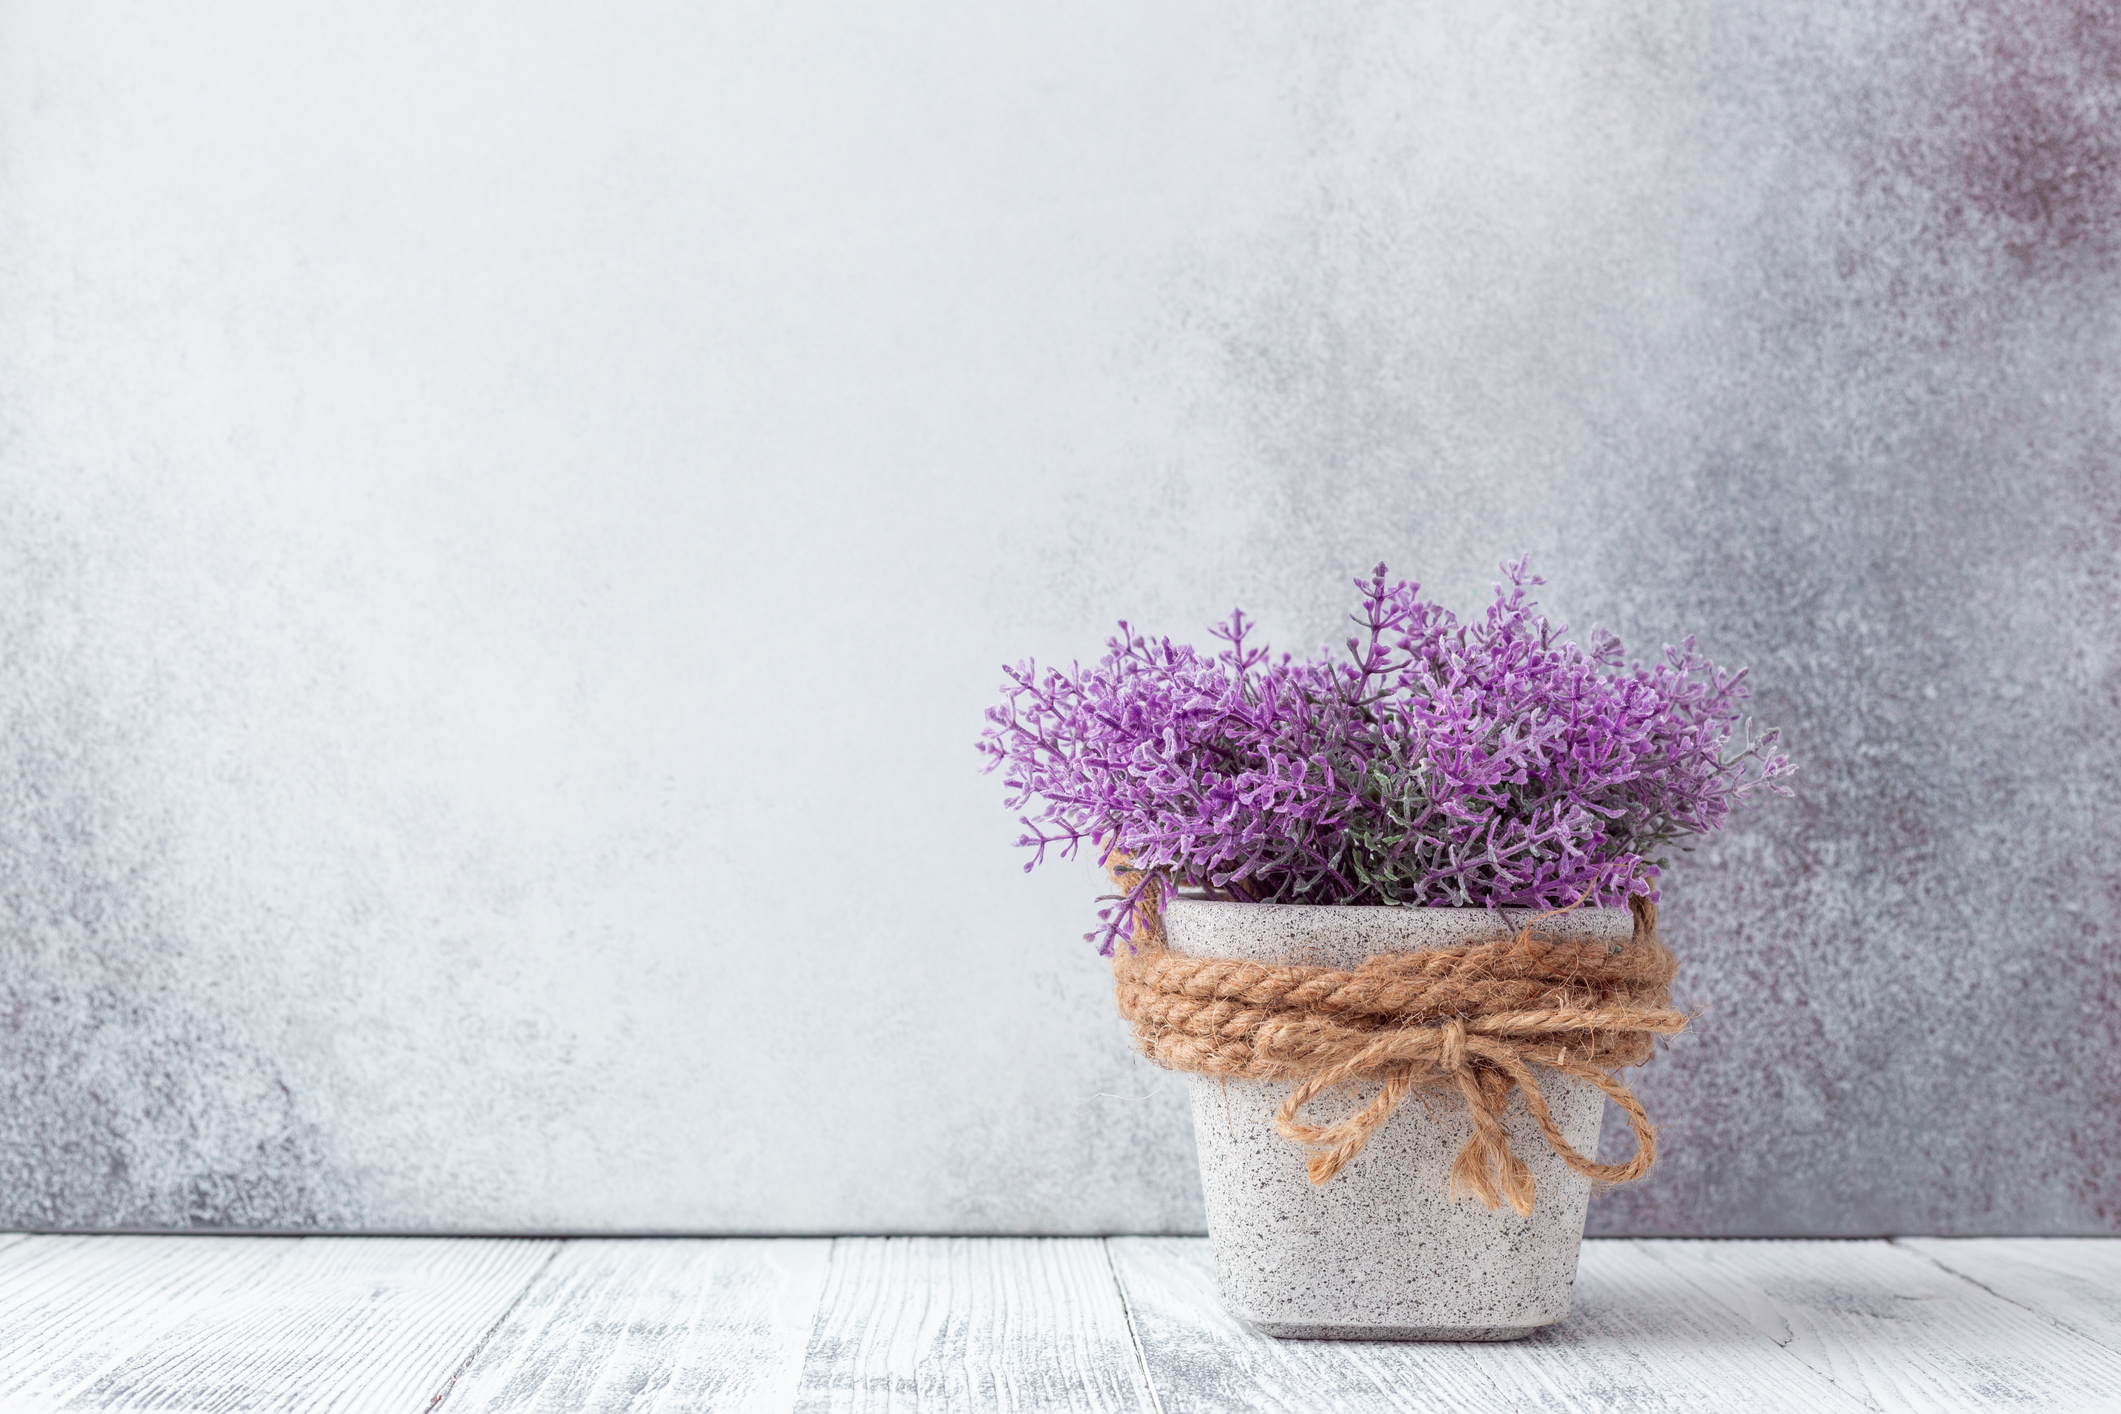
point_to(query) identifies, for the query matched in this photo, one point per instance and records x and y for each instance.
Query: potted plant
(1395, 913)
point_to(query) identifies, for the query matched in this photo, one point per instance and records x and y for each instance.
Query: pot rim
(1195, 896)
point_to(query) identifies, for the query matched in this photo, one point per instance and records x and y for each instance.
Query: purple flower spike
(1439, 763)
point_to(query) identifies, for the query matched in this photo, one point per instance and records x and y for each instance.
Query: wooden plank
(958, 1323)
(257, 1324)
(72, 1308)
(1638, 1340)
(1201, 1358)
(2073, 1281)
(646, 1325)
(1635, 1341)
(1895, 1329)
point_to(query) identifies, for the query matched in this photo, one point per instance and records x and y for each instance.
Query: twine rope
(1471, 1018)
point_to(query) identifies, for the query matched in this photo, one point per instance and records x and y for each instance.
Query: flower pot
(1381, 1251)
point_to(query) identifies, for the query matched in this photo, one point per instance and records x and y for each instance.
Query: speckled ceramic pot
(1381, 1252)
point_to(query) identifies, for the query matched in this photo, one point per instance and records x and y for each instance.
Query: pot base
(1382, 1251)
(1287, 1330)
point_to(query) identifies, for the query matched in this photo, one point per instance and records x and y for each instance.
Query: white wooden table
(1129, 1323)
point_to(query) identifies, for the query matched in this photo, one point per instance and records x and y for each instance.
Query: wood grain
(1201, 1358)
(73, 1308)
(1631, 1344)
(343, 1324)
(1896, 1330)
(1637, 1341)
(2073, 1281)
(255, 1324)
(644, 1325)
(958, 1323)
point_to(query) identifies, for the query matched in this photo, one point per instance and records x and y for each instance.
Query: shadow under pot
(1381, 1250)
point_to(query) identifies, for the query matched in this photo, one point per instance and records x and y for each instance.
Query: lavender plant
(1491, 763)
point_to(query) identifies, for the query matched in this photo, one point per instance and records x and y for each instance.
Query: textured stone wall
(509, 519)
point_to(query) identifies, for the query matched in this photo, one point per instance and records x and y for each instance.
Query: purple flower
(1440, 763)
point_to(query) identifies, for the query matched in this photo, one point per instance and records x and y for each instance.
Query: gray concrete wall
(509, 516)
